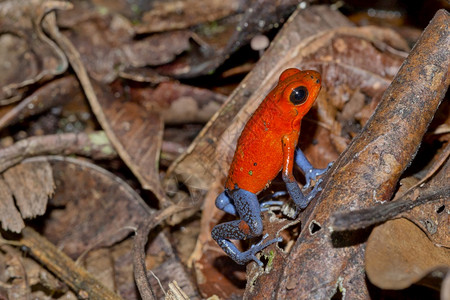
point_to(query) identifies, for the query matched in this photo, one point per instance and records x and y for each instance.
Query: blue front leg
(247, 207)
(301, 201)
(310, 172)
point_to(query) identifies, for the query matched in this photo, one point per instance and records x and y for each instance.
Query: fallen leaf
(56, 92)
(135, 133)
(106, 55)
(30, 185)
(170, 15)
(32, 57)
(399, 254)
(178, 103)
(90, 208)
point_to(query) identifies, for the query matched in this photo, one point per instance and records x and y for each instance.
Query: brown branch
(370, 216)
(414, 196)
(77, 278)
(367, 174)
(94, 145)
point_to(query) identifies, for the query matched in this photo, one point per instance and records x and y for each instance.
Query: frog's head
(298, 91)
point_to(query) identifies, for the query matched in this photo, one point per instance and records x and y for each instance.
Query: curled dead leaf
(399, 254)
(32, 56)
(91, 207)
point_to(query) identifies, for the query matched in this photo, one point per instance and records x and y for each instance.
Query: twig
(351, 220)
(140, 240)
(77, 278)
(94, 145)
(366, 217)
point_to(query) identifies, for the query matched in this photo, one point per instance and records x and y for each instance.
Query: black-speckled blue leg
(250, 225)
(301, 201)
(310, 172)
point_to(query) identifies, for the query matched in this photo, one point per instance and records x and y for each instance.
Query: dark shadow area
(341, 239)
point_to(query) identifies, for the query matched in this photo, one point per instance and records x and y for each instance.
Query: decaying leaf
(10, 216)
(91, 207)
(170, 15)
(179, 103)
(135, 133)
(32, 56)
(56, 92)
(105, 55)
(399, 254)
(30, 185)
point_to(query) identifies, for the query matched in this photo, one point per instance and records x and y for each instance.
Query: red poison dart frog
(267, 145)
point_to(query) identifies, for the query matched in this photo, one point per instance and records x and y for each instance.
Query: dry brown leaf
(32, 57)
(100, 263)
(179, 103)
(135, 133)
(55, 93)
(9, 214)
(30, 185)
(170, 15)
(107, 43)
(137, 136)
(105, 55)
(91, 207)
(399, 254)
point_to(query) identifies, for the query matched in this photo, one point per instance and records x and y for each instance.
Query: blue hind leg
(250, 225)
(224, 202)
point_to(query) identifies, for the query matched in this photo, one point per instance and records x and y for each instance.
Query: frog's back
(259, 154)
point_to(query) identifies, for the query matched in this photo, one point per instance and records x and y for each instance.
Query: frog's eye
(299, 95)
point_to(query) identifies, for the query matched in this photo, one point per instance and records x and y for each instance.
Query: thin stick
(76, 277)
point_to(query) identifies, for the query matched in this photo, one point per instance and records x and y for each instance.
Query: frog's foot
(250, 254)
(312, 173)
(264, 206)
(304, 202)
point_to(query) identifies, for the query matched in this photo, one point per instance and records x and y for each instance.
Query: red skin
(269, 139)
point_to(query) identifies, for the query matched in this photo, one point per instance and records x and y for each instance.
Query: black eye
(299, 95)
